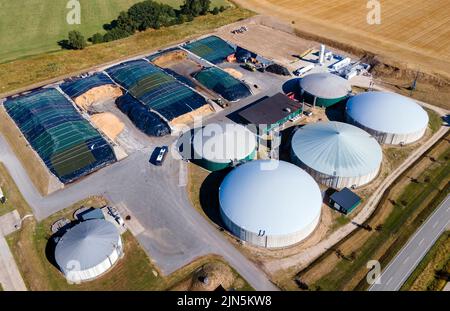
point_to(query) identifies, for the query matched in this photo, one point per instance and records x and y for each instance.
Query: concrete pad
(9, 223)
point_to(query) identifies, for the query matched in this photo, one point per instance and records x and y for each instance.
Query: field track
(413, 32)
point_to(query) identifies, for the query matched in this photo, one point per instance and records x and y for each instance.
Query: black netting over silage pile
(142, 117)
(213, 49)
(67, 143)
(155, 88)
(223, 83)
(78, 86)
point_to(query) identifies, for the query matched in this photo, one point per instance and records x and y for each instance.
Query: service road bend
(225, 301)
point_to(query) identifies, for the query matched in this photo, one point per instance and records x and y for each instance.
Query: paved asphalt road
(399, 269)
(174, 233)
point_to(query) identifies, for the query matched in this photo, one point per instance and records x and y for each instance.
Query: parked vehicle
(161, 155)
(249, 67)
(221, 103)
(303, 70)
(2, 197)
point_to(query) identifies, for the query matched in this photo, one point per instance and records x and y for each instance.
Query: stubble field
(414, 33)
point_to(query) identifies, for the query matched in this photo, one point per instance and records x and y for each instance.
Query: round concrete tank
(270, 204)
(324, 89)
(391, 118)
(337, 154)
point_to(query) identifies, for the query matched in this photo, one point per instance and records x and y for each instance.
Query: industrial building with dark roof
(345, 201)
(273, 111)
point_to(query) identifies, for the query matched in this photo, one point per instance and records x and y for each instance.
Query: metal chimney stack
(322, 54)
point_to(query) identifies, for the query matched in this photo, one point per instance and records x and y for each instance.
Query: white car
(161, 155)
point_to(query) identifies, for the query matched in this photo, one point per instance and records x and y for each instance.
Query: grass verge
(36, 170)
(134, 272)
(30, 27)
(423, 277)
(203, 191)
(412, 198)
(15, 199)
(25, 72)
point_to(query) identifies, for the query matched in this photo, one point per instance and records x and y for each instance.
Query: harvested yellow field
(412, 33)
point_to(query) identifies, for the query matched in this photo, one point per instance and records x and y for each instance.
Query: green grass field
(30, 27)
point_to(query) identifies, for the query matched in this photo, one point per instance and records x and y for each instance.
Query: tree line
(142, 16)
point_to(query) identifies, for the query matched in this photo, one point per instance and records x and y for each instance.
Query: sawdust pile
(109, 124)
(188, 118)
(169, 58)
(234, 73)
(97, 94)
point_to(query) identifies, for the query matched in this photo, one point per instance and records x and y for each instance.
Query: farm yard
(406, 36)
(41, 24)
(117, 122)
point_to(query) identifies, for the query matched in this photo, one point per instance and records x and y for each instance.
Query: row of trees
(142, 16)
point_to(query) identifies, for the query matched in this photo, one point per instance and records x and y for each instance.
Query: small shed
(345, 201)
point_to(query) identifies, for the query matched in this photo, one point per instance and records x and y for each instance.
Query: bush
(195, 7)
(215, 11)
(149, 14)
(76, 40)
(142, 16)
(96, 38)
(115, 34)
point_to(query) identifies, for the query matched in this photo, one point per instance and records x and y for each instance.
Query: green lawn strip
(14, 198)
(135, 271)
(31, 27)
(31, 70)
(435, 120)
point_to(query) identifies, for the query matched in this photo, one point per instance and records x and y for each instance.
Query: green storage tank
(221, 145)
(324, 89)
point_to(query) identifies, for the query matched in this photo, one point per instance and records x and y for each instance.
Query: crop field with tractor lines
(412, 33)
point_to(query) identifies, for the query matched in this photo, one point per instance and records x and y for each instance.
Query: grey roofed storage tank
(325, 85)
(337, 154)
(387, 112)
(270, 203)
(88, 243)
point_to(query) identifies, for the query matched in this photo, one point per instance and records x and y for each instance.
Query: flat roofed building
(345, 201)
(273, 112)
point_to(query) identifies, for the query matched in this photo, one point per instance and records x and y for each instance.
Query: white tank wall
(274, 241)
(390, 138)
(336, 182)
(95, 272)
